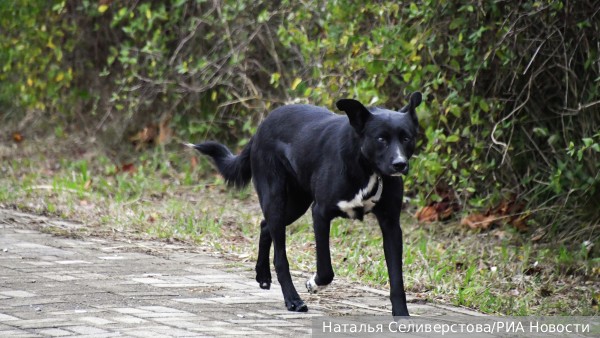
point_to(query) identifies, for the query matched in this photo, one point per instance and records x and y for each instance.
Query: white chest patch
(359, 200)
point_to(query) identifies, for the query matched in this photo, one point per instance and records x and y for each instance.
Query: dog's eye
(406, 139)
(381, 140)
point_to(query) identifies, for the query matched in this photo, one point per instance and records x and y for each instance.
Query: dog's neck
(352, 150)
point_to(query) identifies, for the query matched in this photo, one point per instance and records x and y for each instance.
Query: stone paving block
(58, 276)
(131, 311)
(263, 322)
(49, 258)
(165, 315)
(228, 330)
(166, 309)
(71, 262)
(25, 231)
(283, 332)
(210, 278)
(149, 280)
(244, 300)
(31, 249)
(5, 327)
(171, 331)
(89, 275)
(235, 286)
(40, 263)
(41, 323)
(17, 293)
(144, 333)
(17, 334)
(87, 330)
(141, 295)
(298, 315)
(55, 332)
(74, 312)
(5, 317)
(195, 301)
(112, 258)
(96, 335)
(173, 286)
(192, 323)
(268, 294)
(95, 320)
(127, 319)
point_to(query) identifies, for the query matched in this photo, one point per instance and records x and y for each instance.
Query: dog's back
(304, 139)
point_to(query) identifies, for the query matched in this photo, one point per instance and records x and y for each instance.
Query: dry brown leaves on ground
(509, 211)
(155, 133)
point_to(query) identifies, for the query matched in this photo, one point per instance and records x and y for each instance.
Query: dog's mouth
(402, 172)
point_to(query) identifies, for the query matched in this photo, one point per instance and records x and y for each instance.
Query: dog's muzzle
(400, 167)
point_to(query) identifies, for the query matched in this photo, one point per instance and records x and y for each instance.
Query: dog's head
(387, 137)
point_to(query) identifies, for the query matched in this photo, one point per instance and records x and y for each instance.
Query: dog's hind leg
(272, 192)
(296, 206)
(263, 270)
(324, 275)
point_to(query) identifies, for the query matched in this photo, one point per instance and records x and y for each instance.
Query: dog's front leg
(324, 275)
(392, 247)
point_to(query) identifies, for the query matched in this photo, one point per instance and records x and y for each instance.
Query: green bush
(37, 45)
(511, 88)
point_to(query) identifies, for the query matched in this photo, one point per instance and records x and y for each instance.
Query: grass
(499, 271)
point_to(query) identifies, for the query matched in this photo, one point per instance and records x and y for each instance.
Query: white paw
(312, 286)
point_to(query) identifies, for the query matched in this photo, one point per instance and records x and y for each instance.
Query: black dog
(344, 167)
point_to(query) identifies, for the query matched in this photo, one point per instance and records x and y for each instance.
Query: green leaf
(484, 106)
(452, 138)
(295, 83)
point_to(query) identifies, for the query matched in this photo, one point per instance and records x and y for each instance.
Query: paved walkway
(54, 286)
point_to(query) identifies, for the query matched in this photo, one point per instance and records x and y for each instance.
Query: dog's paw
(264, 283)
(296, 305)
(264, 280)
(312, 286)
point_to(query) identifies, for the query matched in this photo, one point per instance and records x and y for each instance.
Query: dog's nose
(399, 165)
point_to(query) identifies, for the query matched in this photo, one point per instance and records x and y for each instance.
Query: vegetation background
(510, 125)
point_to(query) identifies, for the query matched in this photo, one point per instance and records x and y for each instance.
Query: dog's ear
(413, 102)
(357, 113)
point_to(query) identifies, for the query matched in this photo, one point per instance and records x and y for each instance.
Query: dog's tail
(234, 168)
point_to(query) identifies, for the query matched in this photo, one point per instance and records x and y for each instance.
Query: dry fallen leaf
(478, 221)
(444, 210)
(128, 168)
(17, 137)
(145, 136)
(439, 211)
(427, 214)
(164, 131)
